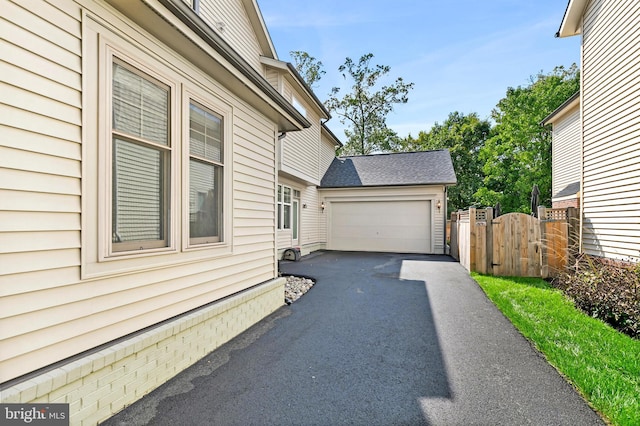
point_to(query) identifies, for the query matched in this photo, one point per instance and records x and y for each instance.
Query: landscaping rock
(296, 287)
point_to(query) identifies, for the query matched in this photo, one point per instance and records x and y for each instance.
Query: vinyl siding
(611, 115)
(306, 155)
(312, 221)
(237, 30)
(566, 150)
(327, 154)
(313, 218)
(273, 77)
(301, 150)
(40, 151)
(49, 312)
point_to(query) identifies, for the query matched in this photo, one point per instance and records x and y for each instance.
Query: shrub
(605, 290)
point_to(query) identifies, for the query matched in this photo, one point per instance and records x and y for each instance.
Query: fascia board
(175, 24)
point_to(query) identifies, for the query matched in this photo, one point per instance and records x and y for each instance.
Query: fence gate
(516, 245)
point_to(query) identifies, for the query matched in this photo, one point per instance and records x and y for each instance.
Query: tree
(364, 110)
(518, 153)
(464, 136)
(309, 68)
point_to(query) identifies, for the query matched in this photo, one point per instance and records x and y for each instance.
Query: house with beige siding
(156, 159)
(139, 149)
(400, 207)
(610, 124)
(566, 150)
(302, 159)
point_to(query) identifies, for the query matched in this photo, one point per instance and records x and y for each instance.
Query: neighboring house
(610, 115)
(388, 202)
(566, 151)
(138, 157)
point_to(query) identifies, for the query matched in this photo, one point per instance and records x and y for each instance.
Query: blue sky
(461, 55)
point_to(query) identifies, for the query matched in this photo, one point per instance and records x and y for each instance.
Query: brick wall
(101, 384)
(574, 202)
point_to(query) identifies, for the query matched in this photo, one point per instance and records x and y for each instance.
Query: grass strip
(603, 364)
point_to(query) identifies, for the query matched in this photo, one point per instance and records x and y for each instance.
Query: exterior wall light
(322, 207)
(438, 205)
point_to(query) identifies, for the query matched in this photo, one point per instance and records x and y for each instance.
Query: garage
(387, 202)
(384, 226)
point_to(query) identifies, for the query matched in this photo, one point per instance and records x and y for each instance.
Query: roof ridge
(392, 153)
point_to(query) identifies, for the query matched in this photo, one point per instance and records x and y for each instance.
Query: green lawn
(603, 364)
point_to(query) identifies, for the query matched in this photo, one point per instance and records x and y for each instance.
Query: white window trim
(108, 52)
(297, 103)
(282, 203)
(192, 92)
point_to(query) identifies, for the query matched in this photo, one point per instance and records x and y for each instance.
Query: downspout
(581, 210)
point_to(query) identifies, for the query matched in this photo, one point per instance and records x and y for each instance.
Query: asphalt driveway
(381, 339)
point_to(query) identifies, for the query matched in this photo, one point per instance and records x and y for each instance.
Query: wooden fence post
(472, 240)
(544, 256)
(489, 245)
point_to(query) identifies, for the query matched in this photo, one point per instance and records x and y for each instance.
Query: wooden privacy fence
(515, 244)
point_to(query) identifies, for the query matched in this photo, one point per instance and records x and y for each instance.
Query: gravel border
(296, 287)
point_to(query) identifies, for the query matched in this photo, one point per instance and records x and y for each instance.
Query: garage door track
(381, 339)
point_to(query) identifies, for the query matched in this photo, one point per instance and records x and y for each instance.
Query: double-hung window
(141, 166)
(140, 160)
(205, 174)
(284, 207)
(157, 177)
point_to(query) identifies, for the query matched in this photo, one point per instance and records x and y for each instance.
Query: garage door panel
(388, 226)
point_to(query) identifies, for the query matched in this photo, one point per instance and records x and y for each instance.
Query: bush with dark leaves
(605, 290)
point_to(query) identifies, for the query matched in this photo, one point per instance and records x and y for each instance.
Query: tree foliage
(309, 68)
(365, 108)
(518, 153)
(464, 136)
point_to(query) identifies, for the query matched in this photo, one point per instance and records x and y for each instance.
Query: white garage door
(387, 226)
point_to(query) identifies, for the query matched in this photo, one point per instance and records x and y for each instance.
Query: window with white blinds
(140, 160)
(205, 175)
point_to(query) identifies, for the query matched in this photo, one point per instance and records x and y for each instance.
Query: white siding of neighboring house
(566, 150)
(611, 117)
(48, 311)
(229, 19)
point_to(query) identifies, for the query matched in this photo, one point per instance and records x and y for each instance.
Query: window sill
(132, 263)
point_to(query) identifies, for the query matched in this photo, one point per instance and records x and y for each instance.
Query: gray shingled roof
(406, 168)
(571, 189)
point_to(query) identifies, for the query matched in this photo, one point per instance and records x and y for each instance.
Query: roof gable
(398, 169)
(572, 21)
(289, 73)
(259, 28)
